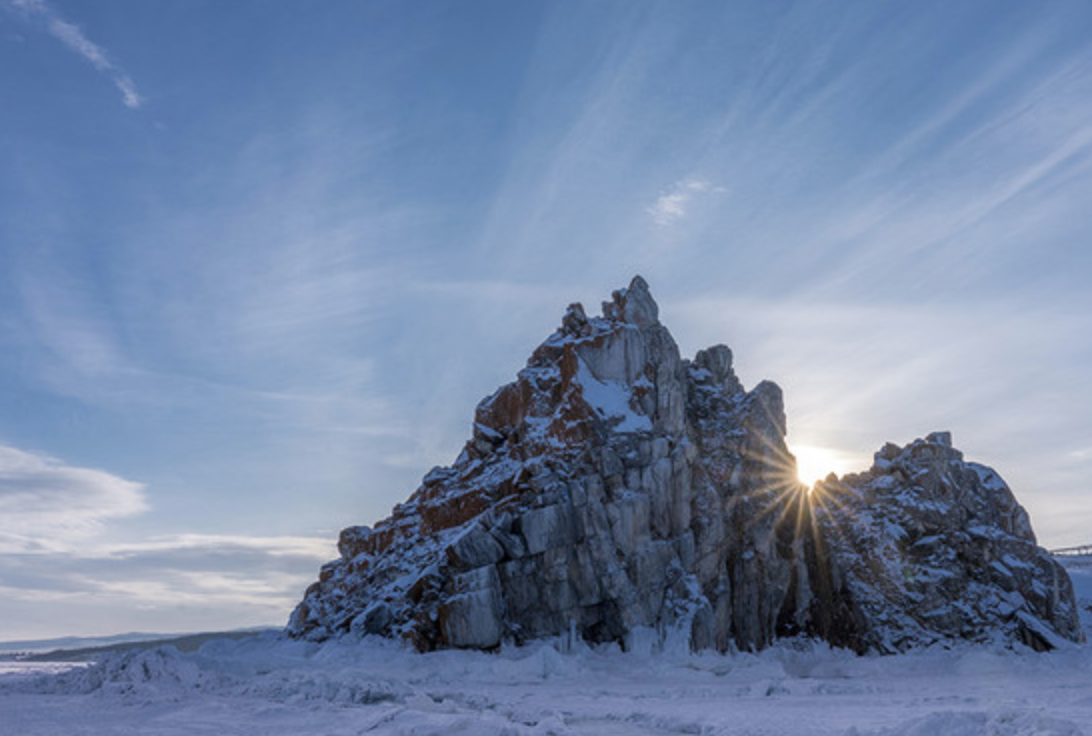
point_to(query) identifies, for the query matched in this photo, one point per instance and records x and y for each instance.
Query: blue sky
(259, 261)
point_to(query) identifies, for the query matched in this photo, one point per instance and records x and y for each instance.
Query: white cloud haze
(675, 204)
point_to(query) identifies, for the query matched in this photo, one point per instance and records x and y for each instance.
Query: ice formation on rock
(616, 488)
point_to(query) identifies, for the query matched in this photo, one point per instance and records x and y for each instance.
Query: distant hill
(78, 649)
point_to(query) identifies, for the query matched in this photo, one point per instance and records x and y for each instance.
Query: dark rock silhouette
(615, 487)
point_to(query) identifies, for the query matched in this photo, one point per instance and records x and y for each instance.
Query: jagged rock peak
(936, 447)
(634, 305)
(614, 487)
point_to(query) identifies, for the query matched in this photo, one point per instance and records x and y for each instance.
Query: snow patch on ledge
(612, 401)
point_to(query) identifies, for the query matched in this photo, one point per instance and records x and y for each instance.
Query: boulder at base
(615, 487)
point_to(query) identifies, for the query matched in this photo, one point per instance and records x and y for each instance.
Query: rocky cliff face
(615, 486)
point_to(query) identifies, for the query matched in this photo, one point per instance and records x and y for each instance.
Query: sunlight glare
(815, 463)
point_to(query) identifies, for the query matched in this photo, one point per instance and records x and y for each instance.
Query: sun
(814, 463)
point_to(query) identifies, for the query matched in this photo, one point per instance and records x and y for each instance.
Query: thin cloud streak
(76, 41)
(314, 548)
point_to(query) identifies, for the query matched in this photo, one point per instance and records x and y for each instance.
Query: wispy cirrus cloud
(48, 505)
(73, 37)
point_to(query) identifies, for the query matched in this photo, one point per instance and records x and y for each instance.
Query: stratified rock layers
(615, 486)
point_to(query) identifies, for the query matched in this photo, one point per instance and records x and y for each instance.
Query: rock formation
(614, 486)
(931, 547)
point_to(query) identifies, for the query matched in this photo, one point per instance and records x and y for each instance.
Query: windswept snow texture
(269, 685)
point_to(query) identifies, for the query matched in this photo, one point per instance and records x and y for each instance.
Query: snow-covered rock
(930, 547)
(615, 488)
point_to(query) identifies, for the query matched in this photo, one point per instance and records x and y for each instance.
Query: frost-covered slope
(615, 488)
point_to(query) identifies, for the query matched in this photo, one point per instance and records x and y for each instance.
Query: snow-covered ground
(269, 685)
